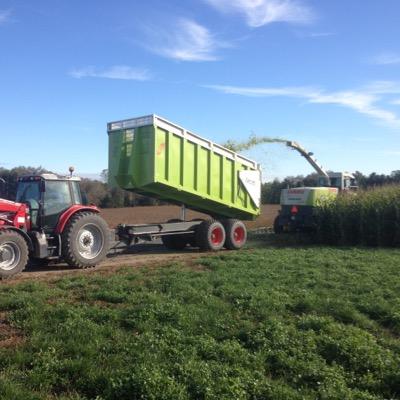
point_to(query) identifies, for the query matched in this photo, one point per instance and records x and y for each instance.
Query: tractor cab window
(28, 191)
(57, 197)
(77, 193)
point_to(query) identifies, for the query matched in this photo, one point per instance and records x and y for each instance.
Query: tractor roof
(48, 177)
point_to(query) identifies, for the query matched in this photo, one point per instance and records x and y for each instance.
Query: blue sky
(324, 73)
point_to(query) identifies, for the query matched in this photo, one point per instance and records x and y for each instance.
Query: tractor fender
(66, 215)
(28, 240)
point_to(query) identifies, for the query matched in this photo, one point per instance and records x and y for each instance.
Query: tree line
(99, 193)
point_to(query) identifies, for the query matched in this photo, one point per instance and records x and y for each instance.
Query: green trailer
(155, 157)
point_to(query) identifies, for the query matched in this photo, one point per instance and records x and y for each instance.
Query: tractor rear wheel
(13, 253)
(210, 235)
(85, 240)
(236, 234)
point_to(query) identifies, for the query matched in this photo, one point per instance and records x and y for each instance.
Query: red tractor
(50, 221)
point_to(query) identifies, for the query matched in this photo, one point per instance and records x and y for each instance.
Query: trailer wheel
(13, 253)
(85, 240)
(174, 242)
(236, 234)
(210, 235)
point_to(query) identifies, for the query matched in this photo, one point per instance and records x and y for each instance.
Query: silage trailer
(155, 157)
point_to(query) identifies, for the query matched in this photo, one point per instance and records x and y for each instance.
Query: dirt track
(152, 254)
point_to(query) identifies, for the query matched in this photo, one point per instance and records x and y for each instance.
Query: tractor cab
(48, 196)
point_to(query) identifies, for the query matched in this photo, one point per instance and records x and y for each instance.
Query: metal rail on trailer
(129, 235)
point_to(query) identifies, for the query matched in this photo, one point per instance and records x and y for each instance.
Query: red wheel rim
(239, 234)
(217, 235)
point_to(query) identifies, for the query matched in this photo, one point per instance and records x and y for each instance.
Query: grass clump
(370, 217)
(279, 323)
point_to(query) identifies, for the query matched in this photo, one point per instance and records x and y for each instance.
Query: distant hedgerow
(371, 217)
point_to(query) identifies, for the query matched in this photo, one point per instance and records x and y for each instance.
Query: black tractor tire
(13, 253)
(236, 234)
(175, 242)
(85, 240)
(278, 228)
(210, 235)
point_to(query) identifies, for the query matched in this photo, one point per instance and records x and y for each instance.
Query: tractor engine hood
(9, 206)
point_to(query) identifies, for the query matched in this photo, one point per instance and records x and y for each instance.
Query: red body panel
(65, 217)
(15, 214)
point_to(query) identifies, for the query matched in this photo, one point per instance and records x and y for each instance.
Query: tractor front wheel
(13, 253)
(85, 240)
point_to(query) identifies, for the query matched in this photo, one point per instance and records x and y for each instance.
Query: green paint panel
(152, 156)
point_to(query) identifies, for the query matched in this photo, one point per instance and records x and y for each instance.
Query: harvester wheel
(210, 235)
(236, 234)
(174, 242)
(13, 253)
(85, 240)
(278, 228)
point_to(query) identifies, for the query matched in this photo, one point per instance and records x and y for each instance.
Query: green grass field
(265, 323)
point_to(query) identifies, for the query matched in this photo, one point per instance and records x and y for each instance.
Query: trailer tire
(210, 235)
(13, 253)
(85, 240)
(174, 242)
(236, 234)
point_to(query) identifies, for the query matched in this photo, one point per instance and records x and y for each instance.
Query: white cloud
(365, 100)
(114, 72)
(185, 40)
(396, 102)
(262, 12)
(4, 16)
(319, 34)
(383, 87)
(386, 59)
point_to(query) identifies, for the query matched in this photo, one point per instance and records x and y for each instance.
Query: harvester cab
(344, 181)
(50, 221)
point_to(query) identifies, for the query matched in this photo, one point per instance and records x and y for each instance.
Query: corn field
(370, 217)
